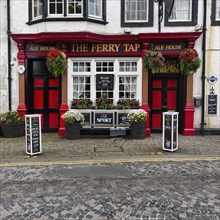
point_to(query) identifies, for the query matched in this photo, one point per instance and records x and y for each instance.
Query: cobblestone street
(131, 191)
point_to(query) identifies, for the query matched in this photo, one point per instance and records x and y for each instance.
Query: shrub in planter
(81, 104)
(104, 103)
(12, 125)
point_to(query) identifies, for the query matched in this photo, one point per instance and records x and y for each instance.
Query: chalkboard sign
(104, 118)
(33, 134)
(212, 104)
(170, 131)
(167, 139)
(123, 119)
(104, 81)
(87, 117)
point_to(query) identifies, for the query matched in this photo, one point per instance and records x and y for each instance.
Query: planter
(12, 130)
(138, 130)
(73, 131)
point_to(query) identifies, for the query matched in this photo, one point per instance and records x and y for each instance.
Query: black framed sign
(123, 120)
(104, 81)
(87, 116)
(104, 118)
(168, 131)
(33, 134)
(212, 104)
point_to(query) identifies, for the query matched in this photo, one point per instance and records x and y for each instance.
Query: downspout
(203, 77)
(9, 53)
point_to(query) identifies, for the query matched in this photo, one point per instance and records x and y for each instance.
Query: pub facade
(106, 41)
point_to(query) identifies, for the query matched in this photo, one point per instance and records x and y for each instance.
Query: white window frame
(74, 14)
(116, 72)
(189, 11)
(38, 5)
(55, 14)
(136, 11)
(217, 11)
(96, 3)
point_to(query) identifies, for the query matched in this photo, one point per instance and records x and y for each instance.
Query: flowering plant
(73, 116)
(81, 103)
(127, 104)
(104, 103)
(153, 60)
(11, 117)
(137, 116)
(189, 61)
(56, 62)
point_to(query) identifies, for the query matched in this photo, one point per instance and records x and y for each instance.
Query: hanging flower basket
(189, 61)
(56, 62)
(153, 60)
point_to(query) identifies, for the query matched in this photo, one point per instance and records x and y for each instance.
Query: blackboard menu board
(28, 137)
(212, 104)
(123, 119)
(87, 117)
(167, 139)
(104, 118)
(104, 81)
(33, 134)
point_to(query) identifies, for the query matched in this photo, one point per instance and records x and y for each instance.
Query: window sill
(66, 19)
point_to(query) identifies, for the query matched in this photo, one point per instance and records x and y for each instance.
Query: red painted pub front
(167, 90)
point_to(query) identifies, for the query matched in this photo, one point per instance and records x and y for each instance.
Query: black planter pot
(138, 130)
(73, 131)
(12, 130)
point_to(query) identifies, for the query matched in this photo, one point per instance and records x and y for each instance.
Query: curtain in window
(217, 16)
(95, 7)
(181, 10)
(136, 10)
(38, 7)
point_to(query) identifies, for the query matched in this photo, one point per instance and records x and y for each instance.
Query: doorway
(43, 94)
(166, 94)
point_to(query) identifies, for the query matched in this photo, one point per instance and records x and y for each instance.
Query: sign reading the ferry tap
(105, 48)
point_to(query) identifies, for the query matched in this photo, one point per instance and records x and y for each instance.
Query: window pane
(217, 10)
(136, 10)
(74, 7)
(56, 6)
(127, 87)
(95, 8)
(182, 10)
(37, 5)
(81, 87)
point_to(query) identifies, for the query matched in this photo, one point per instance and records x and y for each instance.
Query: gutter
(203, 77)
(9, 53)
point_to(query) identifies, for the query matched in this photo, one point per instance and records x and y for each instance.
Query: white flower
(137, 116)
(73, 116)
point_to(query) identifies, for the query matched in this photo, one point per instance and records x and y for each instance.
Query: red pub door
(164, 97)
(44, 95)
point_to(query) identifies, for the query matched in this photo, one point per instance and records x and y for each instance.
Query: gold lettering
(94, 47)
(34, 48)
(159, 47)
(105, 48)
(136, 47)
(117, 47)
(99, 48)
(111, 48)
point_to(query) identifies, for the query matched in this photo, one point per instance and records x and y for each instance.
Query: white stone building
(109, 38)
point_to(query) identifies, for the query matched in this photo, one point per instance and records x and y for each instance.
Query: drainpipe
(203, 77)
(9, 54)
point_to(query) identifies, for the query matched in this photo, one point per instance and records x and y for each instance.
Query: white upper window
(74, 7)
(182, 11)
(55, 7)
(95, 8)
(217, 16)
(136, 10)
(37, 8)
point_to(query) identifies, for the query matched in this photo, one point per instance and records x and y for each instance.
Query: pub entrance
(166, 93)
(43, 94)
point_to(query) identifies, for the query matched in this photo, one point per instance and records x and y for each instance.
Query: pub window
(81, 67)
(74, 7)
(128, 66)
(136, 13)
(81, 87)
(128, 87)
(55, 7)
(37, 9)
(67, 10)
(104, 66)
(184, 13)
(95, 8)
(215, 17)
